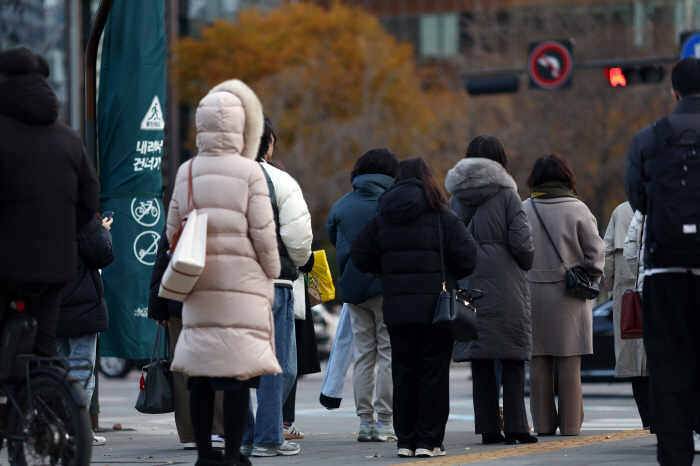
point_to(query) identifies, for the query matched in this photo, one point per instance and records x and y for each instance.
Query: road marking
(534, 448)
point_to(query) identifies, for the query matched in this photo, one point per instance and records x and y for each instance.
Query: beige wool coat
(228, 329)
(562, 324)
(629, 354)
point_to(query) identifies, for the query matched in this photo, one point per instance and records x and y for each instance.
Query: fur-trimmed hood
(229, 120)
(475, 180)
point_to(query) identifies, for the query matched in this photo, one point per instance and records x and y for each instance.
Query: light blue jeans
(81, 347)
(339, 362)
(265, 429)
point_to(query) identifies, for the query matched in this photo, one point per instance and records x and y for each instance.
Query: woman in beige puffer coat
(227, 340)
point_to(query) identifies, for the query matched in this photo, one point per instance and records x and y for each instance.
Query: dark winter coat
(48, 189)
(347, 217)
(401, 243)
(161, 308)
(641, 163)
(83, 308)
(487, 195)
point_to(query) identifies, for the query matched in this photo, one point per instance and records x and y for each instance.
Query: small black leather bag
(577, 281)
(454, 313)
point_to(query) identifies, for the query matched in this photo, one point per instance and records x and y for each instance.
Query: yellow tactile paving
(532, 448)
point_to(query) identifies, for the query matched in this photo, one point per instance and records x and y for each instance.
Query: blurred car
(324, 328)
(119, 367)
(600, 366)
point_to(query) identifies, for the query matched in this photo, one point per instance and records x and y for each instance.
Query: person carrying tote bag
(562, 323)
(227, 340)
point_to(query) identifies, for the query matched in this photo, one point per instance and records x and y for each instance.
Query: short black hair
(379, 160)
(268, 136)
(685, 77)
(21, 60)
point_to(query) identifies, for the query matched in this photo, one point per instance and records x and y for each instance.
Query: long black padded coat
(487, 200)
(401, 243)
(83, 308)
(48, 189)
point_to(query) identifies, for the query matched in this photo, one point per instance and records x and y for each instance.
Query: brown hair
(552, 167)
(417, 168)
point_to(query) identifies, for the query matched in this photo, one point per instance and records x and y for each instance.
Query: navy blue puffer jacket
(346, 219)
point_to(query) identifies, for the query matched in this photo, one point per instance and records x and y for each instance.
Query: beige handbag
(189, 253)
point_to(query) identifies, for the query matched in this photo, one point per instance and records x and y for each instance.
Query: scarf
(551, 189)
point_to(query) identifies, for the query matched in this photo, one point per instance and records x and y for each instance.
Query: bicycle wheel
(59, 430)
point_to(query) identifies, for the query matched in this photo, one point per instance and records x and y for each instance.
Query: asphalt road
(330, 435)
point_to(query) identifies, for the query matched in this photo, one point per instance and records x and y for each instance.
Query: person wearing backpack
(663, 182)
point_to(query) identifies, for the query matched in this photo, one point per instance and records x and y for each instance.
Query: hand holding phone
(107, 215)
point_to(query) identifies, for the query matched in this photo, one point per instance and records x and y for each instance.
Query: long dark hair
(417, 168)
(267, 137)
(489, 147)
(552, 167)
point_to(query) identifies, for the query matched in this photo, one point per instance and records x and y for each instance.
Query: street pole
(98, 26)
(90, 139)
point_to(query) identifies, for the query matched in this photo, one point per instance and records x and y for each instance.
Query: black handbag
(156, 394)
(577, 281)
(454, 313)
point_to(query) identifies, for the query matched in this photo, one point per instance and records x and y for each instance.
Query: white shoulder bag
(189, 252)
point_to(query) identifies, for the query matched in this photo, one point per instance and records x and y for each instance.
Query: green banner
(131, 123)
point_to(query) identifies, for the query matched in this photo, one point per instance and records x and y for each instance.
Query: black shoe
(218, 460)
(495, 437)
(519, 437)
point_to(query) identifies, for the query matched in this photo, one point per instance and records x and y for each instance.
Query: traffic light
(647, 74)
(504, 84)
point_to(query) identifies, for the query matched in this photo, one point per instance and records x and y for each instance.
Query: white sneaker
(285, 449)
(406, 453)
(696, 441)
(97, 441)
(366, 431)
(189, 446)
(437, 451)
(217, 441)
(384, 432)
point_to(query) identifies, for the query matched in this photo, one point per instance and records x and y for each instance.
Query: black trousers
(671, 314)
(486, 416)
(640, 390)
(420, 370)
(288, 408)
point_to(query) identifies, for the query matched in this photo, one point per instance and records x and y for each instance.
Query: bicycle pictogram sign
(146, 213)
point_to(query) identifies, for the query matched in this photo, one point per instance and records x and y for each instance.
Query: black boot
(218, 460)
(490, 438)
(519, 437)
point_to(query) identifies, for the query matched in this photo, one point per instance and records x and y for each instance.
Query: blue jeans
(265, 429)
(81, 347)
(339, 361)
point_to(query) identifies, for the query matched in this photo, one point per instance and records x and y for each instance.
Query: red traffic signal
(635, 75)
(615, 77)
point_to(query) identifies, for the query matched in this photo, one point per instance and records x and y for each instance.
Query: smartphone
(107, 215)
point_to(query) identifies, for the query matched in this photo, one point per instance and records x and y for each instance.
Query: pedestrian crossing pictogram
(154, 117)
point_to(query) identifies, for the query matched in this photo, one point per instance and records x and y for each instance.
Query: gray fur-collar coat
(485, 197)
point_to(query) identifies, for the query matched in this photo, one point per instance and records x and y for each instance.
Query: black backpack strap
(664, 133)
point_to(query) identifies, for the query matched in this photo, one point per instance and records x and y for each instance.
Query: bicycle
(43, 409)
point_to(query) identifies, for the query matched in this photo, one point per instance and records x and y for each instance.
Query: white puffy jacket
(295, 220)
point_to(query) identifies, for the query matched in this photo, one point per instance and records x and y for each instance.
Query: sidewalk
(142, 447)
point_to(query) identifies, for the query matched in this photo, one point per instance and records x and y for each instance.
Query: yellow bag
(320, 278)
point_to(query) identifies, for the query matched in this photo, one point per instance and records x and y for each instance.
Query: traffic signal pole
(609, 63)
